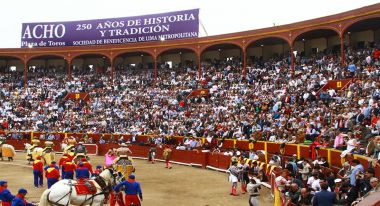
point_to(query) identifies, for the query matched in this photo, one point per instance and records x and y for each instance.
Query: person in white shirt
(253, 155)
(316, 185)
(281, 180)
(253, 189)
(305, 171)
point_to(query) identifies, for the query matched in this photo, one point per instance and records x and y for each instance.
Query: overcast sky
(217, 16)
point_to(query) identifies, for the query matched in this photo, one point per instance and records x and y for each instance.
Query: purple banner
(155, 27)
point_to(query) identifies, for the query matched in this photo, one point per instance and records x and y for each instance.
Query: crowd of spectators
(305, 182)
(270, 104)
(272, 101)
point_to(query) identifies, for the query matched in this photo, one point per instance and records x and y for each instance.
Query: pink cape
(109, 159)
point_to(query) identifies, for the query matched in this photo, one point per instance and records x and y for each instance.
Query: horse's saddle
(124, 161)
(85, 187)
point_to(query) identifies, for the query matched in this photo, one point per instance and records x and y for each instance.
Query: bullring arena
(288, 115)
(182, 185)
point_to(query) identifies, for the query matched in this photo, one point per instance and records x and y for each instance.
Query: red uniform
(38, 171)
(63, 160)
(70, 157)
(61, 163)
(38, 165)
(52, 172)
(52, 175)
(116, 198)
(69, 169)
(69, 166)
(87, 165)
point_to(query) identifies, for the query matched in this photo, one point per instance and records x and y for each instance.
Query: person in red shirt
(87, 165)
(4, 124)
(98, 170)
(38, 170)
(374, 120)
(69, 169)
(52, 174)
(182, 103)
(62, 161)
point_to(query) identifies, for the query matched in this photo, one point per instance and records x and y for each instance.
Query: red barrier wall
(216, 160)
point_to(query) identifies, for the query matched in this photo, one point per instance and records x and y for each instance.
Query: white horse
(63, 192)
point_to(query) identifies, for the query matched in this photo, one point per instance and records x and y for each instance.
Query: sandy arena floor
(182, 185)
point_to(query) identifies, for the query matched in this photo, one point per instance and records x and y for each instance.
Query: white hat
(123, 145)
(337, 180)
(321, 162)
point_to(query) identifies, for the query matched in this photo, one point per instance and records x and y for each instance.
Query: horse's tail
(44, 198)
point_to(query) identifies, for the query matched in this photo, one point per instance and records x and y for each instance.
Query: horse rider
(132, 191)
(68, 170)
(19, 200)
(52, 174)
(38, 170)
(5, 195)
(122, 152)
(82, 172)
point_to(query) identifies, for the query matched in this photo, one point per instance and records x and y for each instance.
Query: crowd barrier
(332, 156)
(212, 160)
